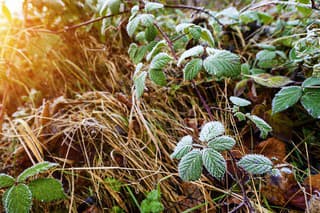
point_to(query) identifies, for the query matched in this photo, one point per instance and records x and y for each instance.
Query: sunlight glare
(15, 6)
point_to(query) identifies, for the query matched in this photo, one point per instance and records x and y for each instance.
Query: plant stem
(72, 27)
(203, 101)
(165, 36)
(189, 7)
(245, 200)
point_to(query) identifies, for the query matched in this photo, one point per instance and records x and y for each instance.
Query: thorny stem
(245, 200)
(165, 36)
(203, 101)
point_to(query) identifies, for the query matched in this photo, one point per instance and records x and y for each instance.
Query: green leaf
(160, 61)
(192, 68)
(194, 51)
(133, 25)
(240, 116)
(137, 53)
(265, 18)
(263, 126)
(310, 100)
(133, 48)
(46, 189)
(139, 84)
(310, 82)
(266, 58)
(267, 80)
(18, 199)
(222, 143)
(195, 32)
(158, 77)
(248, 16)
(264, 55)
(239, 101)
(245, 69)
(155, 50)
(214, 162)
(190, 166)
(6, 180)
(36, 169)
(211, 130)
(183, 27)
(5, 195)
(285, 98)
(146, 19)
(150, 6)
(255, 164)
(183, 147)
(114, 6)
(206, 35)
(151, 33)
(138, 69)
(223, 64)
(304, 10)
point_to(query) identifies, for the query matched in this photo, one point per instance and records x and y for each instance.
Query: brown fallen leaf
(283, 189)
(313, 181)
(271, 148)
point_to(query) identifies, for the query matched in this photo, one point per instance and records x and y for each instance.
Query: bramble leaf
(211, 130)
(285, 98)
(158, 77)
(36, 169)
(222, 143)
(18, 199)
(194, 51)
(190, 166)
(255, 164)
(310, 101)
(239, 101)
(183, 147)
(263, 126)
(6, 180)
(139, 83)
(155, 50)
(223, 64)
(46, 189)
(192, 68)
(149, 6)
(160, 61)
(214, 162)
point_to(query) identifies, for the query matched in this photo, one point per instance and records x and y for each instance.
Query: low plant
(20, 191)
(207, 152)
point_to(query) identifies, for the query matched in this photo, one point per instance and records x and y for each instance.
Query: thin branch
(165, 36)
(313, 5)
(189, 7)
(203, 101)
(67, 28)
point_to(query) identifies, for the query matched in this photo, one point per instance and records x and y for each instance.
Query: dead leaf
(272, 148)
(313, 181)
(283, 189)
